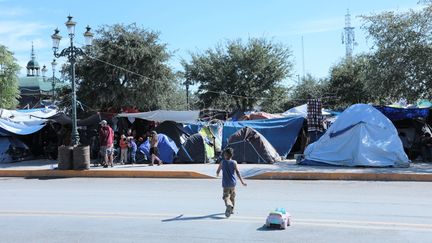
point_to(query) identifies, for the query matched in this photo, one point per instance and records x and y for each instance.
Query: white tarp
(19, 128)
(162, 115)
(361, 136)
(301, 111)
(27, 117)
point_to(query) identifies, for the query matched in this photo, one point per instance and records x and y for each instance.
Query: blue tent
(167, 148)
(281, 133)
(361, 136)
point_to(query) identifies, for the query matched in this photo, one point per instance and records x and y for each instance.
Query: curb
(425, 177)
(104, 174)
(343, 176)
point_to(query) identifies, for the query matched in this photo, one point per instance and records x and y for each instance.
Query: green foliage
(141, 78)
(400, 65)
(9, 90)
(307, 87)
(347, 83)
(276, 100)
(251, 70)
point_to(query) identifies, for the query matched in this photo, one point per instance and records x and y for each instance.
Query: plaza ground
(182, 210)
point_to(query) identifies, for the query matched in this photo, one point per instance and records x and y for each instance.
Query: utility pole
(303, 57)
(348, 36)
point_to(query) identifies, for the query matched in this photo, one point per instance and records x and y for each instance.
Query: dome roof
(33, 64)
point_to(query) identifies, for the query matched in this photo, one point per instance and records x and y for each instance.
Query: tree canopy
(9, 91)
(237, 74)
(127, 67)
(400, 63)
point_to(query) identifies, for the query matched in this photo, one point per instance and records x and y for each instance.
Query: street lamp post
(53, 65)
(187, 83)
(71, 52)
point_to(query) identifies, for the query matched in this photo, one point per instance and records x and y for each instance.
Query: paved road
(163, 210)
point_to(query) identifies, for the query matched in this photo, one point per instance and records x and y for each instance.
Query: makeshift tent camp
(252, 147)
(173, 130)
(167, 148)
(302, 111)
(281, 133)
(193, 150)
(162, 115)
(361, 136)
(13, 150)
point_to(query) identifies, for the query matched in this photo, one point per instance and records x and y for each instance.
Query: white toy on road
(279, 218)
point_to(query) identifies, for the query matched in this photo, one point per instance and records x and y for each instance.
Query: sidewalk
(287, 170)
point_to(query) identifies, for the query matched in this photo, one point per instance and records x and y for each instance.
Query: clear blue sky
(195, 25)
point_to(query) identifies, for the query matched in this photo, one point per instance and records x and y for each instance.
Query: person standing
(106, 138)
(229, 169)
(314, 119)
(132, 149)
(123, 150)
(154, 151)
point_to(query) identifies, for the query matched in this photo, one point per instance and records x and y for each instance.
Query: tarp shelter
(281, 133)
(162, 115)
(18, 128)
(252, 147)
(396, 114)
(13, 150)
(193, 150)
(92, 120)
(173, 130)
(260, 116)
(211, 132)
(27, 116)
(361, 136)
(167, 148)
(302, 111)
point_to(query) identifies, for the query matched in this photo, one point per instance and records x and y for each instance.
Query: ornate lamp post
(44, 71)
(53, 65)
(71, 53)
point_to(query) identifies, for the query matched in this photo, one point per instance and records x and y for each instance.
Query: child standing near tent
(123, 150)
(154, 151)
(228, 166)
(132, 149)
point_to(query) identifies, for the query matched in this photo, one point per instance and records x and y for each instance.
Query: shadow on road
(265, 228)
(44, 178)
(216, 216)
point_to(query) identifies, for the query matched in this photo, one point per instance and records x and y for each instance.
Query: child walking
(229, 181)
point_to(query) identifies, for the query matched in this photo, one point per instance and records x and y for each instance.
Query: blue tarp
(281, 133)
(396, 114)
(167, 148)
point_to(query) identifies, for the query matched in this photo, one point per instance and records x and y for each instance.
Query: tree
(9, 91)
(236, 75)
(276, 100)
(308, 86)
(127, 67)
(347, 83)
(400, 65)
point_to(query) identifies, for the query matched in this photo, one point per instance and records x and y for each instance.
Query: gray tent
(13, 150)
(193, 150)
(252, 147)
